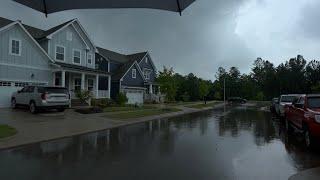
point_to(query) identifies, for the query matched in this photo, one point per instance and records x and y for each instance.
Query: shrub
(103, 103)
(91, 110)
(84, 96)
(121, 99)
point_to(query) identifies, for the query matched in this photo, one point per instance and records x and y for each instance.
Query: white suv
(38, 97)
(285, 100)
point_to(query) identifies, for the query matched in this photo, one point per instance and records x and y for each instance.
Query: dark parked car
(236, 100)
(304, 116)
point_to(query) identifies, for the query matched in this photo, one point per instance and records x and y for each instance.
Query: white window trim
(64, 52)
(89, 54)
(74, 50)
(90, 79)
(145, 70)
(146, 60)
(10, 46)
(134, 73)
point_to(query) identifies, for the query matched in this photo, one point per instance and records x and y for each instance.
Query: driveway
(45, 126)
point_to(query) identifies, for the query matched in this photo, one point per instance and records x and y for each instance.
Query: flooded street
(239, 143)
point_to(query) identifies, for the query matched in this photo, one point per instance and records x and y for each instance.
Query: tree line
(263, 82)
(184, 88)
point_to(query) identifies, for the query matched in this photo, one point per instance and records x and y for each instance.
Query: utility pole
(224, 90)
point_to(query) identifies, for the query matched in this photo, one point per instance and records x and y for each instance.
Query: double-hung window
(15, 47)
(89, 59)
(76, 56)
(146, 74)
(134, 73)
(60, 53)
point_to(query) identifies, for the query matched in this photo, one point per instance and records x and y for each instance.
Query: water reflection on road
(242, 143)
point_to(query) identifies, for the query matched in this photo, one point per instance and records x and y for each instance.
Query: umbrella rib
(179, 7)
(45, 7)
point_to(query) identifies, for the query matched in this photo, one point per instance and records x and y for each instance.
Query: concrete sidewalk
(48, 126)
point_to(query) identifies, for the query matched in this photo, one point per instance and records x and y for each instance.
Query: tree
(203, 90)
(167, 83)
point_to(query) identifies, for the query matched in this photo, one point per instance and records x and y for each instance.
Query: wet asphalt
(233, 143)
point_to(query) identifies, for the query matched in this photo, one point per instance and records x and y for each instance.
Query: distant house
(66, 56)
(132, 74)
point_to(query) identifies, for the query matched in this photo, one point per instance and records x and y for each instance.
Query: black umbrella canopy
(52, 6)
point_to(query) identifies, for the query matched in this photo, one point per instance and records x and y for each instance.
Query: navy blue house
(132, 74)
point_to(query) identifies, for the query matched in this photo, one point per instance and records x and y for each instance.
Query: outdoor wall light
(32, 75)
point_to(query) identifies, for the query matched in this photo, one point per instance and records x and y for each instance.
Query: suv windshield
(287, 98)
(314, 102)
(53, 90)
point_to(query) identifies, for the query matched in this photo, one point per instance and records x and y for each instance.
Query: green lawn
(202, 105)
(142, 113)
(6, 131)
(126, 108)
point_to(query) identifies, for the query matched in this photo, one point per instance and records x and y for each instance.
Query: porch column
(109, 86)
(82, 81)
(63, 78)
(54, 79)
(97, 86)
(159, 92)
(150, 89)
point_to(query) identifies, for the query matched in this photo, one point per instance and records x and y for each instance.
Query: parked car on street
(236, 100)
(274, 105)
(285, 100)
(37, 97)
(304, 115)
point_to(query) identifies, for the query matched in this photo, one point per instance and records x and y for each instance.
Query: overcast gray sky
(211, 33)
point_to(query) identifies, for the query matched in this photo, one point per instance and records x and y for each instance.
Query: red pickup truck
(304, 115)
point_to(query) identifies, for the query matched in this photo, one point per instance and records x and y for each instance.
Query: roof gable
(149, 61)
(64, 26)
(28, 34)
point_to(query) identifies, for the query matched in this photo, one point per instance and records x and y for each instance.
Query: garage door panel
(135, 97)
(5, 95)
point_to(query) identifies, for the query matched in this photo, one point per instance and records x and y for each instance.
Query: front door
(76, 86)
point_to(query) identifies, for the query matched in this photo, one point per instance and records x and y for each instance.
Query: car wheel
(13, 104)
(307, 138)
(33, 108)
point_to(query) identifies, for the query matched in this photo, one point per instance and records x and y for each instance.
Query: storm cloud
(209, 34)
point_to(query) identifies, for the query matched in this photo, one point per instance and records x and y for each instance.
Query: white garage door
(6, 90)
(134, 96)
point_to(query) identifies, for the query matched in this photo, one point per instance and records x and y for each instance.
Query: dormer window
(89, 59)
(134, 73)
(15, 47)
(146, 73)
(69, 36)
(60, 53)
(76, 56)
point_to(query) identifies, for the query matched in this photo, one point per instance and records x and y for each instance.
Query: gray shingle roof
(113, 56)
(35, 32)
(125, 60)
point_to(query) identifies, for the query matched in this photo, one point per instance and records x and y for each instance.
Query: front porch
(153, 93)
(98, 84)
